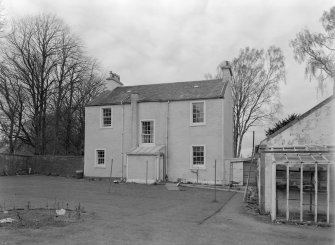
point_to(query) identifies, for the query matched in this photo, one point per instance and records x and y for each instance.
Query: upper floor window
(147, 132)
(198, 113)
(106, 117)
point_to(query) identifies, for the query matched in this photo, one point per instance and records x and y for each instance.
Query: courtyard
(145, 214)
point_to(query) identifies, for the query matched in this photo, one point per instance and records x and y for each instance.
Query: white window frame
(96, 158)
(196, 166)
(102, 117)
(154, 133)
(191, 113)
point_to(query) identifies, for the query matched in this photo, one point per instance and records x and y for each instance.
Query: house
(296, 167)
(148, 133)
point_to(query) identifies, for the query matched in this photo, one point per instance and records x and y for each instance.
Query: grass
(141, 214)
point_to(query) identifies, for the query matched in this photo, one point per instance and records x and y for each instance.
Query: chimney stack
(134, 119)
(113, 81)
(226, 71)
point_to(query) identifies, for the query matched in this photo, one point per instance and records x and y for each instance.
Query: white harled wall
(181, 137)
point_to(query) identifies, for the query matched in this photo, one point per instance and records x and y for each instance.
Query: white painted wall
(315, 129)
(181, 137)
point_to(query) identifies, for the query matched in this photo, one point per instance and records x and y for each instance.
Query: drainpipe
(134, 120)
(167, 140)
(122, 141)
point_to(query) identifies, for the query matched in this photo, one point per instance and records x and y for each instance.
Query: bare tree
(11, 107)
(2, 19)
(255, 83)
(50, 67)
(31, 50)
(80, 93)
(318, 50)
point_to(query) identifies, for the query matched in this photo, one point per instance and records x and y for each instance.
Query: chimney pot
(225, 66)
(113, 81)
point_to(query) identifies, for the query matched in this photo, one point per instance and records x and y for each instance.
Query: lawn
(144, 214)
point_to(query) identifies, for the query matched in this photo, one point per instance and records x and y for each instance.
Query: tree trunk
(69, 120)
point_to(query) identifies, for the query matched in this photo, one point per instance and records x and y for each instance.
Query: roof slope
(193, 90)
(307, 113)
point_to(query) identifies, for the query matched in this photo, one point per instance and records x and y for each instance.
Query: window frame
(102, 117)
(96, 164)
(191, 113)
(197, 166)
(153, 135)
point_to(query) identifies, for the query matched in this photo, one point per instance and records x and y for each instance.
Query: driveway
(141, 214)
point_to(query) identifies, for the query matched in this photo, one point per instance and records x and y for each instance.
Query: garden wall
(46, 165)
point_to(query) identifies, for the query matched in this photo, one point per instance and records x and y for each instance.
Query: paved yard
(140, 214)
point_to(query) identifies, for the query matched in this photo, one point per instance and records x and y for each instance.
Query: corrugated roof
(193, 90)
(147, 150)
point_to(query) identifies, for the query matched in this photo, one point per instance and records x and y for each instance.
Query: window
(198, 113)
(198, 156)
(106, 117)
(147, 132)
(100, 158)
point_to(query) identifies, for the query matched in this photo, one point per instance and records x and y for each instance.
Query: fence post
(110, 177)
(146, 173)
(215, 182)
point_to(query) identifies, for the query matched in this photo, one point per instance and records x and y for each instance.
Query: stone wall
(46, 165)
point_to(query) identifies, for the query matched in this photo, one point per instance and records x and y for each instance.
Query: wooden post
(246, 188)
(310, 193)
(110, 177)
(328, 191)
(273, 192)
(316, 193)
(301, 192)
(215, 182)
(287, 191)
(146, 173)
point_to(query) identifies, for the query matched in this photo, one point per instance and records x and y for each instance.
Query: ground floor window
(198, 156)
(100, 158)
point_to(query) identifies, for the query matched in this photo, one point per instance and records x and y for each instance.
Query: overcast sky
(154, 41)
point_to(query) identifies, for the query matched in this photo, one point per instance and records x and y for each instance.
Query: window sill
(147, 144)
(99, 166)
(197, 124)
(106, 127)
(194, 167)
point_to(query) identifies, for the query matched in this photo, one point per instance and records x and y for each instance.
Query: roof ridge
(163, 83)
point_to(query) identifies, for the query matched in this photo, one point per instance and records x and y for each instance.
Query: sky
(155, 41)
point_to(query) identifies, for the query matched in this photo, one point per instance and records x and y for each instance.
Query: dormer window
(198, 113)
(106, 117)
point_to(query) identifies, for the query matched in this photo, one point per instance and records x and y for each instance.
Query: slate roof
(147, 150)
(193, 90)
